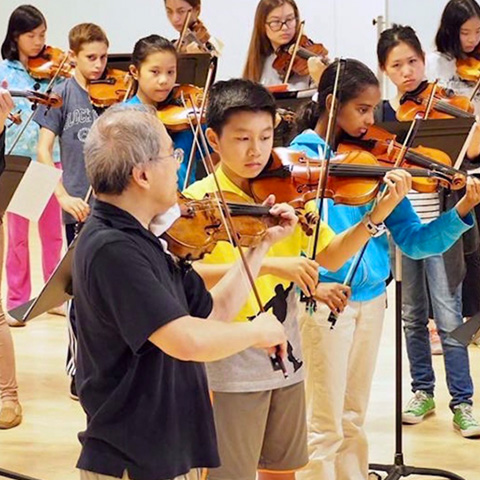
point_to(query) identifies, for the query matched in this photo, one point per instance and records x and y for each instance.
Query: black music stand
(292, 101)
(468, 332)
(56, 291)
(449, 136)
(191, 67)
(15, 167)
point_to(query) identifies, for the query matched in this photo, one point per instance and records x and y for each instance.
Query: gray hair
(123, 137)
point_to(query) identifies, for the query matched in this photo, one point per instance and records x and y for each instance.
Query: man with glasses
(145, 320)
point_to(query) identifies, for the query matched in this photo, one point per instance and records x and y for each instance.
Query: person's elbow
(179, 339)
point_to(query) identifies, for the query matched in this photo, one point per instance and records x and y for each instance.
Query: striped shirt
(427, 205)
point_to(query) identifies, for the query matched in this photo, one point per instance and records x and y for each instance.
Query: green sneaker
(419, 406)
(464, 421)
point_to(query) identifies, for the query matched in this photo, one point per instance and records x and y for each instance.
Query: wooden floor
(45, 445)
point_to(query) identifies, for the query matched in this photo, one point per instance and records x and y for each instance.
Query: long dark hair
(392, 37)
(356, 78)
(454, 15)
(23, 19)
(260, 47)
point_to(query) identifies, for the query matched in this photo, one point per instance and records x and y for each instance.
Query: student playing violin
(71, 124)
(154, 67)
(457, 40)
(401, 57)
(276, 25)
(260, 416)
(177, 12)
(25, 39)
(340, 363)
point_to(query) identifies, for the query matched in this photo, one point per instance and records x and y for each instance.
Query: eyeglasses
(178, 155)
(277, 25)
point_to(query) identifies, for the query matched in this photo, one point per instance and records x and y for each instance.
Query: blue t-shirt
(71, 123)
(183, 140)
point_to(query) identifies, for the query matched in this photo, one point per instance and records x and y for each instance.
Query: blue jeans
(447, 312)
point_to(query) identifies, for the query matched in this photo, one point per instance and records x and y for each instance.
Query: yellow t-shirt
(224, 252)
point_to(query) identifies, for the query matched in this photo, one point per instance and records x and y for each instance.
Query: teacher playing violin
(158, 322)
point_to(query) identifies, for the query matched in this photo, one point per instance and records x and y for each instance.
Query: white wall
(424, 21)
(343, 26)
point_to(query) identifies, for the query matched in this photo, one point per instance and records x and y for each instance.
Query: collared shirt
(147, 413)
(251, 370)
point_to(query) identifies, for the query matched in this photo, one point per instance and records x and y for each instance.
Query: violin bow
(276, 360)
(327, 154)
(294, 52)
(475, 90)
(198, 127)
(48, 90)
(184, 30)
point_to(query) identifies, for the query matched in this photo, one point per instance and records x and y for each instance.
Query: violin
(445, 104)
(174, 115)
(115, 86)
(197, 33)
(383, 145)
(200, 225)
(468, 68)
(354, 178)
(306, 50)
(50, 100)
(47, 63)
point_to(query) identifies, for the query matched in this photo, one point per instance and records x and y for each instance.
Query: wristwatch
(375, 230)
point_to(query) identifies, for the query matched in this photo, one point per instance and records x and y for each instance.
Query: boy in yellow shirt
(260, 415)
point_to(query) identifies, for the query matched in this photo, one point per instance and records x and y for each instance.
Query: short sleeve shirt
(251, 370)
(147, 413)
(71, 123)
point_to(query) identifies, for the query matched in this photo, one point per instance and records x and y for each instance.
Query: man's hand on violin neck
(399, 183)
(471, 197)
(287, 220)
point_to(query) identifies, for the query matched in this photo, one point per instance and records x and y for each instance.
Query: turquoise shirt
(18, 78)
(415, 239)
(183, 140)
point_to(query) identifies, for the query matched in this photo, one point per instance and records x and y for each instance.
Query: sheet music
(34, 191)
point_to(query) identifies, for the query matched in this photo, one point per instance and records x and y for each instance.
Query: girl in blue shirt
(154, 67)
(25, 38)
(341, 362)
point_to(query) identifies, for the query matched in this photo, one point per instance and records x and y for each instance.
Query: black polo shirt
(147, 412)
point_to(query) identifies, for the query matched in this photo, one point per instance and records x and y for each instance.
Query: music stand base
(14, 475)
(400, 470)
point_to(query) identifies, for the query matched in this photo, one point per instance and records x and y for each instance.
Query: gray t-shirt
(71, 123)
